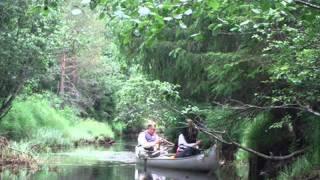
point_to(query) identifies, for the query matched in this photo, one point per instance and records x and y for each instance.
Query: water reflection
(168, 174)
(98, 163)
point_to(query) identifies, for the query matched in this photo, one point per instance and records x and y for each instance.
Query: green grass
(304, 165)
(89, 129)
(118, 127)
(301, 166)
(39, 119)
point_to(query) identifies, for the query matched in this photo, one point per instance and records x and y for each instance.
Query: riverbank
(116, 162)
(25, 155)
(82, 162)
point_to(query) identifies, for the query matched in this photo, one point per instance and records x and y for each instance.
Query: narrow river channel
(103, 163)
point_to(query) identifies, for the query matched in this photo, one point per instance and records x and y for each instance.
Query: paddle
(166, 141)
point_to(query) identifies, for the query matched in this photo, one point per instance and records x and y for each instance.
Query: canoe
(203, 162)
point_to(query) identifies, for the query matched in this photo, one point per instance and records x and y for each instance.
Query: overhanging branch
(315, 6)
(242, 106)
(252, 151)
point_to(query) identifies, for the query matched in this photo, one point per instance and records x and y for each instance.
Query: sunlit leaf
(188, 12)
(179, 16)
(120, 14)
(194, 35)
(144, 11)
(167, 18)
(76, 11)
(245, 23)
(85, 1)
(182, 25)
(214, 4)
(257, 11)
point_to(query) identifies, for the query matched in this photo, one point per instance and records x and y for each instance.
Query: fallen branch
(251, 150)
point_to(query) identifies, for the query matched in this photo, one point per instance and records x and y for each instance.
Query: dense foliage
(250, 68)
(27, 35)
(257, 59)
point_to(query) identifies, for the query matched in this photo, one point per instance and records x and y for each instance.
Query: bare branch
(279, 158)
(315, 6)
(243, 106)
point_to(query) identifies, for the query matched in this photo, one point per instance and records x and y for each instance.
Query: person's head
(190, 123)
(190, 132)
(151, 128)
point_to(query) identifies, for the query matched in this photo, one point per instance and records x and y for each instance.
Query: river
(101, 163)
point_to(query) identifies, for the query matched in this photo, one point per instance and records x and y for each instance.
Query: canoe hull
(201, 162)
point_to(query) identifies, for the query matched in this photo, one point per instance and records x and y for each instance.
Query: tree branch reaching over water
(269, 157)
(308, 4)
(242, 106)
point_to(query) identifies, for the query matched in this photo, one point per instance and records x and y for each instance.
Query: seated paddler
(148, 139)
(187, 142)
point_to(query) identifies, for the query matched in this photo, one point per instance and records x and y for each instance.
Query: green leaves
(27, 33)
(213, 4)
(140, 98)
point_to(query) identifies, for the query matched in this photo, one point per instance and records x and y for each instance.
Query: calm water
(114, 163)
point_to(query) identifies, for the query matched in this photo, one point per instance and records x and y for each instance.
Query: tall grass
(40, 120)
(118, 127)
(301, 166)
(89, 129)
(253, 134)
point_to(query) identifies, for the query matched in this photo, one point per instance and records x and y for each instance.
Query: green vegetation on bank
(40, 119)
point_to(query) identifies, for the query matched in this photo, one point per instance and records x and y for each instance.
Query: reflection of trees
(99, 171)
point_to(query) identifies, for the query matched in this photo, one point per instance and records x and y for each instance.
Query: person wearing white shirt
(187, 142)
(149, 139)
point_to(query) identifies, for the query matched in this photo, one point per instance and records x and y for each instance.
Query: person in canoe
(149, 140)
(187, 142)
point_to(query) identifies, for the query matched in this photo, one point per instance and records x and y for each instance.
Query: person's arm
(182, 141)
(143, 142)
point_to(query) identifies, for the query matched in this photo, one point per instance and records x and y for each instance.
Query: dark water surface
(113, 163)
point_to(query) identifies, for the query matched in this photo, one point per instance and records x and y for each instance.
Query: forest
(92, 71)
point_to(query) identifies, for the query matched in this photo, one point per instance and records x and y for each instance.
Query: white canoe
(202, 162)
